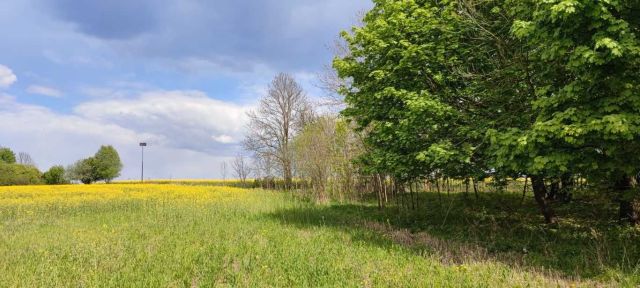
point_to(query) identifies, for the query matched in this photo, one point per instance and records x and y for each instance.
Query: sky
(178, 74)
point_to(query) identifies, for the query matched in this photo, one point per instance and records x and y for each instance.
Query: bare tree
(241, 168)
(264, 167)
(281, 114)
(223, 170)
(25, 159)
(330, 82)
(328, 79)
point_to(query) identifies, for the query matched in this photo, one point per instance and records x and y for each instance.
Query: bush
(16, 174)
(7, 156)
(55, 176)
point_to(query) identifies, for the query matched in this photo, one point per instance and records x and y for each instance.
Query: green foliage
(107, 164)
(324, 151)
(83, 171)
(466, 88)
(55, 176)
(7, 156)
(513, 87)
(427, 79)
(586, 98)
(16, 174)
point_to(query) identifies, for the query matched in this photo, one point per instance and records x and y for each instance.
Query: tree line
(105, 166)
(469, 90)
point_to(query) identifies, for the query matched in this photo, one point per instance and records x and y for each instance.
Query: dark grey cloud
(112, 19)
(284, 34)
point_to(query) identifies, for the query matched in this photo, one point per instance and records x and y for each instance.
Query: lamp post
(142, 145)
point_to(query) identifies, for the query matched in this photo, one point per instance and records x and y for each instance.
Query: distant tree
(55, 176)
(7, 156)
(280, 115)
(83, 171)
(223, 170)
(264, 167)
(241, 168)
(25, 159)
(107, 164)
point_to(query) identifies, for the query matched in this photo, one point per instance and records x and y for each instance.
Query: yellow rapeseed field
(78, 194)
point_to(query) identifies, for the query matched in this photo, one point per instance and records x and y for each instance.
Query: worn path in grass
(177, 236)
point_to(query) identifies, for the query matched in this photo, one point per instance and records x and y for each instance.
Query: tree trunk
(378, 188)
(567, 188)
(555, 189)
(475, 188)
(439, 195)
(413, 205)
(524, 190)
(466, 188)
(288, 175)
(539, 193)
(628, 212)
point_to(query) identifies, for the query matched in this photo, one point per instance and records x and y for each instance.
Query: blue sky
(180, 74)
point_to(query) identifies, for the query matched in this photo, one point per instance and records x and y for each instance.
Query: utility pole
(142, 145)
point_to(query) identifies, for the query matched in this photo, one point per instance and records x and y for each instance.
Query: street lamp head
(143, 144)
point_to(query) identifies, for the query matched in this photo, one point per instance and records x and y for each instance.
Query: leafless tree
(25, 159)
(281, 114)
(223, 170)
(264, 167)
(241, 168)
(330, 82)
(328, 79)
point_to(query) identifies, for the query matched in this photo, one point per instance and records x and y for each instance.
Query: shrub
(16, 174)
(55, 176)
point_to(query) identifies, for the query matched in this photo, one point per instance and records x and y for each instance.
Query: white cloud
(172, 122)
(225, 139)
(184, 119)
(45, 91)
(7, 78)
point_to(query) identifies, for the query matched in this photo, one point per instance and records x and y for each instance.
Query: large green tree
(427, 79)
(457, 88)
(588, 110)
(107, 164)
(399, 83)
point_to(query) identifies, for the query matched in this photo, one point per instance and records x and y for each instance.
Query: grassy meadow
(151, 235)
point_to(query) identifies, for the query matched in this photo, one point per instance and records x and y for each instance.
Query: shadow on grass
(587, 244)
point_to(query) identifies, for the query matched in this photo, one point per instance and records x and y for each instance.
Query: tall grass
(129, 235)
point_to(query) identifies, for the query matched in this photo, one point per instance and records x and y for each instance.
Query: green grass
(266, 239)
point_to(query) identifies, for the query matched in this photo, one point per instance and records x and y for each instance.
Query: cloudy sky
(179, 74)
